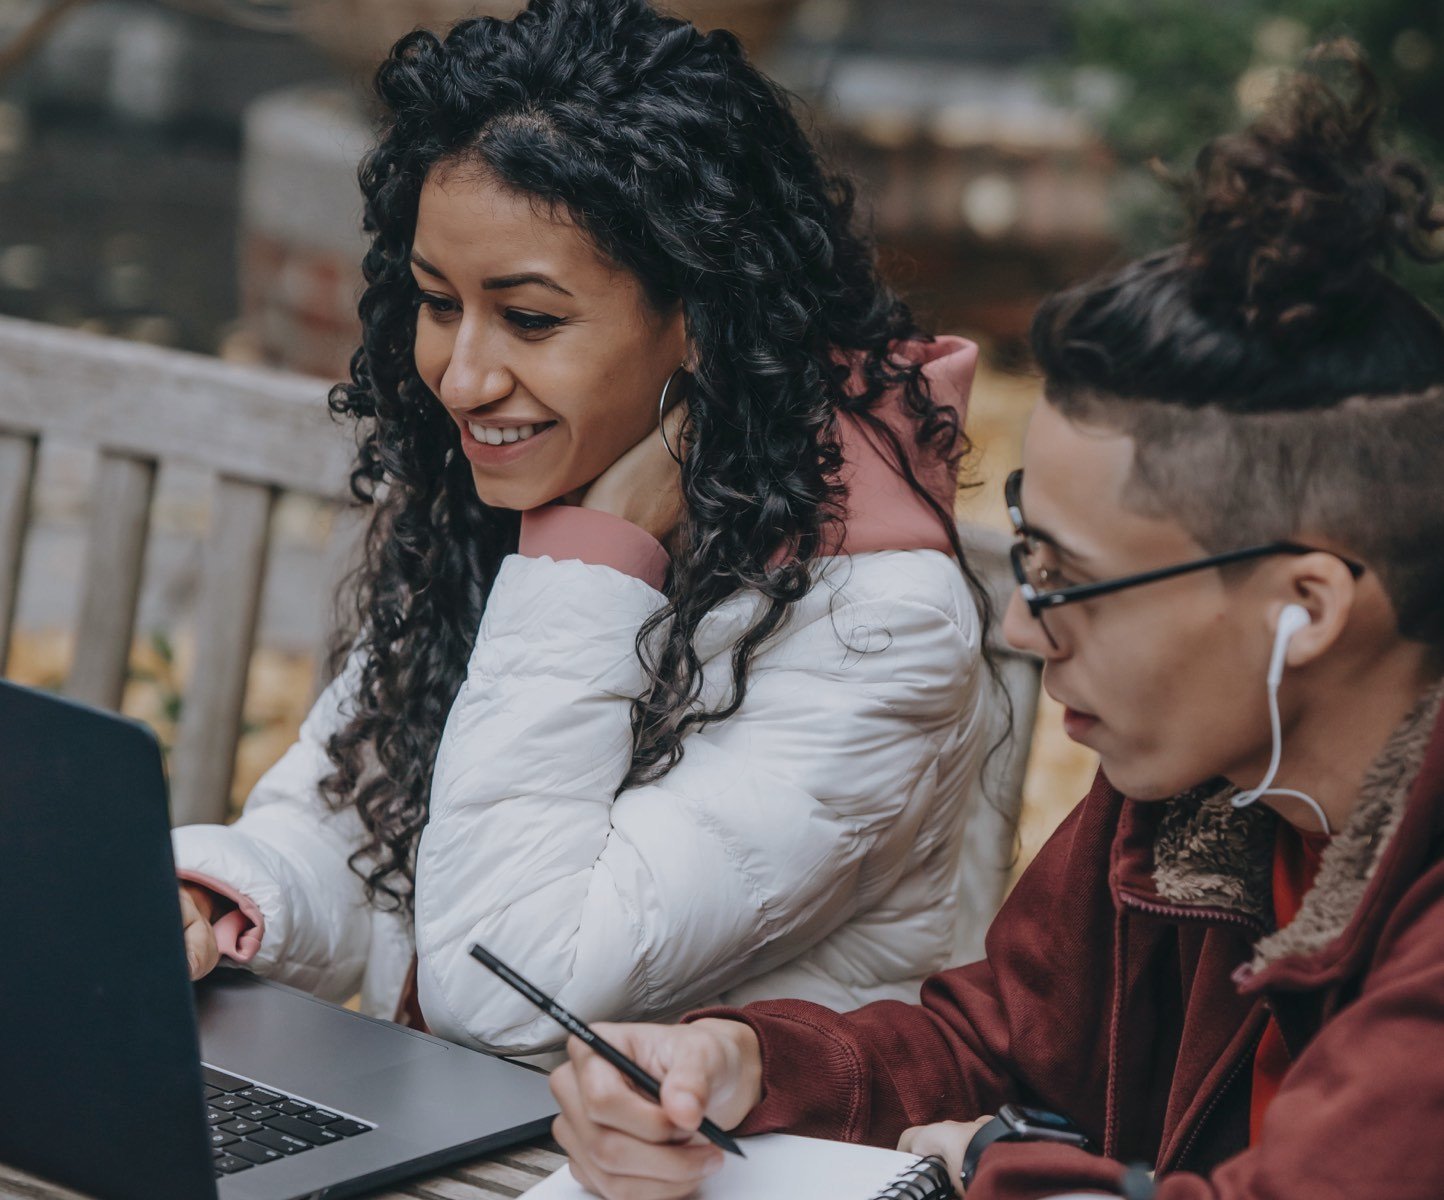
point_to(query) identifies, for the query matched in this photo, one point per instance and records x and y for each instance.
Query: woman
(715, 685)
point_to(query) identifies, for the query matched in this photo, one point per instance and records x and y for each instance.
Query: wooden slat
(509, 1175)
(344, 546)
(231, 582)
(495, 1177)
(119, 523)
(246, 422)
(544, 1157)
(17, 480)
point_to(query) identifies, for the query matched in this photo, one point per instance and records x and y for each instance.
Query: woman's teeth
(494, 436)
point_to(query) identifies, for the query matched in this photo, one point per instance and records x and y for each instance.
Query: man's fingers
(580, 1174)
(624, 1144)
(618, 1155)
(608, 1098)
(566, 1138)
(617, 1108)
(683, 1108)
(908, 1140)
(687, 1082)
(947, 1140)
(687, 1088)
(612, 1164)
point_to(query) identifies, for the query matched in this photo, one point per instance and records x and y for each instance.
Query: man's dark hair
(1277, 381)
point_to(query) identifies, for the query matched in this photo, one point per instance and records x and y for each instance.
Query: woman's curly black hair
(686, 167)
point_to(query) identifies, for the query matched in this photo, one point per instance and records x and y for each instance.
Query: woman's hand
(644, 486)
(947, 1140)
(197, 909)
(624, 1145)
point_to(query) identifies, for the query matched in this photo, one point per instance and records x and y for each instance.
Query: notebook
(784, 1167)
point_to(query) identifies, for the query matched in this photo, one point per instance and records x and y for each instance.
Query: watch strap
(996, 1130)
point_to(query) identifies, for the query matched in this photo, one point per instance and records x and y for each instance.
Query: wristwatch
(1018, 1123)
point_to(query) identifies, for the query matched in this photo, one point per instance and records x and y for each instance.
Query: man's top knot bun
(1277, 301)
(1294, 216)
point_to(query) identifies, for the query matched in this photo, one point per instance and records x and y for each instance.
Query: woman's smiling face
(549, 357)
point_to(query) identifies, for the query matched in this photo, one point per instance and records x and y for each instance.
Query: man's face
(1164, 681)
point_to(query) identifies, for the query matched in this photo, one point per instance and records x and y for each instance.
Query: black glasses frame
(1040, 602)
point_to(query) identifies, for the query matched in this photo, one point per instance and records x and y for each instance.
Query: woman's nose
(474, 377)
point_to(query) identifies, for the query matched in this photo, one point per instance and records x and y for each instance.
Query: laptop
(124, 1080)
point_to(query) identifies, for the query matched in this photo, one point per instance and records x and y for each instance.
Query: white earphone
(1293, 618)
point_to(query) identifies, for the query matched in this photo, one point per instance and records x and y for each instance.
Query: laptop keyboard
(252, 1124)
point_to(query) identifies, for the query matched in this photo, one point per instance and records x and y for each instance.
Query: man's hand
(197, 910)
(947, 1140)
(624, 1145)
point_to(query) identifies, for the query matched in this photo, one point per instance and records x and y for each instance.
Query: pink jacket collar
(882, 512)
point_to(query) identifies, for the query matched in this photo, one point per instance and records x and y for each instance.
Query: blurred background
(182, 173)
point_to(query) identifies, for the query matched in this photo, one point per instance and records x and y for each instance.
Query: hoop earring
(662, 415)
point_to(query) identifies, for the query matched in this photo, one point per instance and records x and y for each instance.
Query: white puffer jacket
(805, 847)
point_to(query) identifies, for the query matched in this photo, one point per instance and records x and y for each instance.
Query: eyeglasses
(1044, 587)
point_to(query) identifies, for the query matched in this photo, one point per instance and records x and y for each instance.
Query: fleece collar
(1207, 853)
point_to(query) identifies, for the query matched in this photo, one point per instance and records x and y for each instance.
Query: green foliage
(1190, 69)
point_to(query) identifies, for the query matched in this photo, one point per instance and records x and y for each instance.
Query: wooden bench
(256, 432)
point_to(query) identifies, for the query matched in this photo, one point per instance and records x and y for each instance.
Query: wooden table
(500, 1176)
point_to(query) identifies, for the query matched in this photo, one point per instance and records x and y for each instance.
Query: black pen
(593, 1040)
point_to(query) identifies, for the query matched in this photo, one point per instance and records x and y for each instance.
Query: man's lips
(1076, 723)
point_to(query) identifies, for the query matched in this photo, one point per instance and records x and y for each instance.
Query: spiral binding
(928, 1180)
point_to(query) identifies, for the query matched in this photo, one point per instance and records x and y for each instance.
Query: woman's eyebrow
(498, 283)
(501, 283)
(418, 261)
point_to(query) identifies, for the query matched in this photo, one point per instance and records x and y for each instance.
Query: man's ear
(1326, 589)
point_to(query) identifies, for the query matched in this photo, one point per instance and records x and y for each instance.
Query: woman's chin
(517, 495)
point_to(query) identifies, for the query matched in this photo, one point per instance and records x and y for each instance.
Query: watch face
(1041, 1118)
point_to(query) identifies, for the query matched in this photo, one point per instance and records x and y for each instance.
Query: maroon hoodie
(1128, 980)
